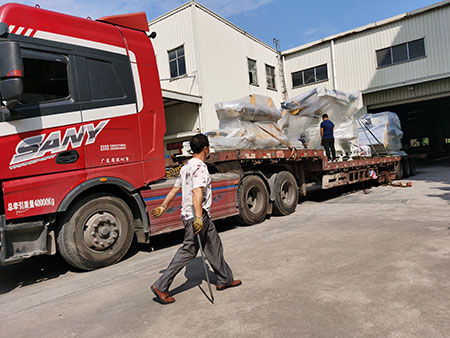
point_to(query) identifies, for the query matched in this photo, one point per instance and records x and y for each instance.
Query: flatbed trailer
(251, 183)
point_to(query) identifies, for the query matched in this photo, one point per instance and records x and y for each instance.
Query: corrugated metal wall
(308, 58)
(181, 117)
(174, 31)
(420, 91)
(223, 53)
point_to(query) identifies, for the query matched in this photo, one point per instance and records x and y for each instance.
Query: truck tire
(285, 193)
(96, 232)
(399, 170)
(412, 167)
(406, 168)
(253, 200)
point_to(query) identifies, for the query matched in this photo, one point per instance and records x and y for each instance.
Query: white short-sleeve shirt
(194, 174)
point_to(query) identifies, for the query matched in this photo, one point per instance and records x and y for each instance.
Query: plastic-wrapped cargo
(248, 123)
(237, 134)
(249, 108)
(381, 128)
(302, 117)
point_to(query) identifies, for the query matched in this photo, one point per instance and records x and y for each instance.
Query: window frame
(302, 72)
(27, 53)
(256, 84)
(267, 66)
(390, 48)
(176, 59)
(51, 107)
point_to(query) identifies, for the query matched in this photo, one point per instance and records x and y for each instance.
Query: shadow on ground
(195, 275)
(40, 269)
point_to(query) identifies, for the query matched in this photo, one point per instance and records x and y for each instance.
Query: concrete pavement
(372, 263)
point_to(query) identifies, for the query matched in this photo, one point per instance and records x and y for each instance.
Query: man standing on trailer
(327, 134)
(195, 184)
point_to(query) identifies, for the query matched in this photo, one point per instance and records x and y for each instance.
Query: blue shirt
(327, 126)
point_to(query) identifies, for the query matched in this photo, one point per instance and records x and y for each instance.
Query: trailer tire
(253, 200)
(406, 168)
(285, 194)
(412, 167)
(96, 232)
(399, 170)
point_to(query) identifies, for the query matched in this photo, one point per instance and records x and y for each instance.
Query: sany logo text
(38, 146)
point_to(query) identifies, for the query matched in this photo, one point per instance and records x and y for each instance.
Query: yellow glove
(198, 225)
(159, 211)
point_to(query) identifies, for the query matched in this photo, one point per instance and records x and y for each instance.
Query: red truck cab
(81, 120)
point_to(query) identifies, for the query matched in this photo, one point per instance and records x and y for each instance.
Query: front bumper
(23, 240)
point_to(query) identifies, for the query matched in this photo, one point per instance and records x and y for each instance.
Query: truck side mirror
(11, 73)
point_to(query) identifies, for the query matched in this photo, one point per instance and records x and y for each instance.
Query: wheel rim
(287, 193)
(254, 200)
(101, 231)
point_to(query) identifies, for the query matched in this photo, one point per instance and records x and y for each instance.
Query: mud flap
(23, 240)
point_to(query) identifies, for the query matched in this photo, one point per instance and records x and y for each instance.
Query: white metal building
(400, 64)
(204, 59)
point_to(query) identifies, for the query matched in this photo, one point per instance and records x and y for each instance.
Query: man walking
(195, 184)
(327, 134)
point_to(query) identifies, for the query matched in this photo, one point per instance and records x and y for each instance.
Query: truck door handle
(67, 157)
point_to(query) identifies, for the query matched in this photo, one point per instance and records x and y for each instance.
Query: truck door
(45, 134)
(109, 112)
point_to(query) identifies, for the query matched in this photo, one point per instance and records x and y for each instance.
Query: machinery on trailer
(81, 132)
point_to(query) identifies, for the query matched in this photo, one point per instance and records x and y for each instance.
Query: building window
(400, 53)
(270, 76)
(177, 63)
(310, 75)
(252, 72)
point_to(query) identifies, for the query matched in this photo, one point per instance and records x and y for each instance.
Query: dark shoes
(162, 297)
(234, 283)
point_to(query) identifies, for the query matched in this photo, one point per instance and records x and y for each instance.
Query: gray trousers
(212, 246)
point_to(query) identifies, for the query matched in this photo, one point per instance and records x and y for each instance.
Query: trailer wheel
(412, 167)
(406, 168)
(285, 192)
(399, 170)
(252, 200)
(96, 232)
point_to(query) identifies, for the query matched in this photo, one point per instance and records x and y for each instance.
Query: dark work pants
(212, 246)
(328, 144)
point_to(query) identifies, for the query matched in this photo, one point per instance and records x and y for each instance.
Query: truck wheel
(412, 167)
(285, 192)
(252, 200)
(406, 168)
(96, 232)
(399, 170)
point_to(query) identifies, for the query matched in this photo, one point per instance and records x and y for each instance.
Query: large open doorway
(425, 125)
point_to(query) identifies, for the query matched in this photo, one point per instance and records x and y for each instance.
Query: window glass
(181, 66)
(173, 68)
(308, 75)
(384, 57)
(270, 75)
(177, 62)
(297, 79)
(399, 53)
(416, 49)
(103, 80)
(252, 73)
(172, 55)
(44, 80)
(321, 73)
